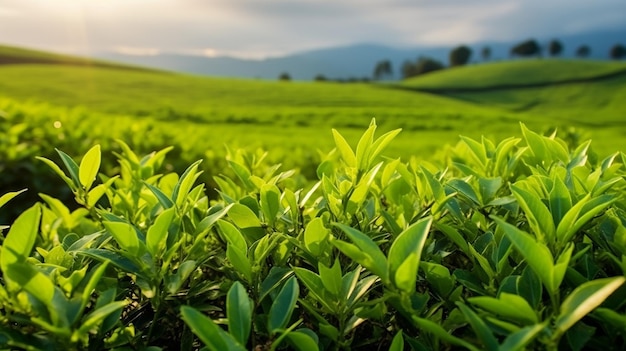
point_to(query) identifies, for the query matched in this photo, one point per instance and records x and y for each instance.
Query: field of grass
(72, 107)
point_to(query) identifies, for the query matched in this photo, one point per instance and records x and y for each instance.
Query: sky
(269, 28)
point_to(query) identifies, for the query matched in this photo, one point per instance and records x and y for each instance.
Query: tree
(408, 69)
(618, 51)
(383, 69)
(486, 53)
(460, 55)
(284, 76)
(320, 78)
(583, 51)
(526, 48)
(555, 48)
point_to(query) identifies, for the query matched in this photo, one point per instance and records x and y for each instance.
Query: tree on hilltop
(555, 48)
(284, 76)
(618, 52)
(423, 65)
(583, 51)
(485, 53)
(460, 55)
(382, 70)
(526, 48)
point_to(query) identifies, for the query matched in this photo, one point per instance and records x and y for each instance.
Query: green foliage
(513, 245)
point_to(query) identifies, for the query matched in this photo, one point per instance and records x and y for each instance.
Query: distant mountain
(354, 61)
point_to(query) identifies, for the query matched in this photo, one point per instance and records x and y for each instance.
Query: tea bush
(513, 245)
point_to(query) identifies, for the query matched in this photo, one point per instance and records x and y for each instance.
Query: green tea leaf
(243, 217)
(283, 306)
(381, 143)
(397, 344)
(209, 333)
(89, 166)
(521, 338)
(344, 149)
(270, 202)
(71, 167)
(58, 171)
(19, 242)
(509, 306)
(365, 251)
(480, 328)
(438, 331)
(405, 254)
(364, 145)
(90, 322)
(239, 259)
(583, 300)
(539, 216)
(560, 201)
(315, 235)
(302, 341)
(8, 196)
(185, 183)
(156, 238)
(331, 277)
(126, 236)
(239, 313)
(537, 255)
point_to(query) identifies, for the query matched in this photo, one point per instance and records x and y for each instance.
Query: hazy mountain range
(355, 60)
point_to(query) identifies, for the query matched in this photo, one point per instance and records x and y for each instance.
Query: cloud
(255, 28)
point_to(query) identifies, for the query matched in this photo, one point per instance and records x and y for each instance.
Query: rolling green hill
(205, 113)
(47, 105)
(15, 55)
(512, 74)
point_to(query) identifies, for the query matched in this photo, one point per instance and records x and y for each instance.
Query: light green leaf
(405, 254)
(209, 333)
(539, 216)
(397, 344)
(71, 167)
(344, 149)
(583, 300)
(302, 341)
(536, 254)
(58, 171)
(270, 202)
(367, 253)
(521, 338)
(243, 217)
(126, 236)
(315, 235)
(19, 242)
(560, 201)
(8, 196)
(239, 313)
(185, 183)
(512, 307)
(438, 331)
(381, 143)
(331, 277)
(89, 166)
(239, 259)
(283, 306)
(480, 328)
(232, 235)
(364, 145)
(156, 239)
(96, 317)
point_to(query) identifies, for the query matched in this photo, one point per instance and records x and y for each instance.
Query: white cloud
(256, 28)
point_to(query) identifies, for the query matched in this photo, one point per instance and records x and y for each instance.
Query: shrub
(510, 245)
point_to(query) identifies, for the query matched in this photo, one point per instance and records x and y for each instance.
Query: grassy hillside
(514, 73)
(206, 113)
(16, 55)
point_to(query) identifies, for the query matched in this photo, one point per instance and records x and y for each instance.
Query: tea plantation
(142, 212)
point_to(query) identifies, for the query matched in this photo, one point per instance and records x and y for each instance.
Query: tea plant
(513, 245)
